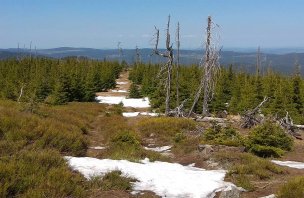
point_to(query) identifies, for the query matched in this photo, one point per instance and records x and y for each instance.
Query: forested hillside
(56, 81)
(235, 92)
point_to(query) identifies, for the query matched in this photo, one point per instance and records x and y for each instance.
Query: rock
(212, 164)
(231, 192)
(205, 149)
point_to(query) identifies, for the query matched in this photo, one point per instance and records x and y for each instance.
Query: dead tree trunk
(177, 63)
(258, 62)
(21, 93)
(287, 124)
(210, 66)
(120, 52)
(138, 57)
(250, 119)
(167, 68)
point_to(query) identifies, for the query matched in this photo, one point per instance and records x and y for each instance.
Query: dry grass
(30, 147)
(245, 168)
(164, 129)
(294, 188)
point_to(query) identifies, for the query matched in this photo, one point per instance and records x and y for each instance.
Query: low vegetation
(165, 130)
(222, 135)
(31, 144)
(244, 168)
(294, 188)
(268, 140)
(42, 173)
(111, 181)
(126, 145)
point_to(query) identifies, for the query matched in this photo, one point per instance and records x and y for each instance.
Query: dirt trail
(122, 90)
(122, 86)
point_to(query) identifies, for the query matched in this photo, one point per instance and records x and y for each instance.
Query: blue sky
(102, 23)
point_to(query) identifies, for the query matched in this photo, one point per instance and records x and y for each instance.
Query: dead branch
(250, 118)
(178, 111)
(287, 124)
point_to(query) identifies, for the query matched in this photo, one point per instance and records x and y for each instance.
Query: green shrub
(268, 140)
(179, 137)
(266, 151)
(126, 138)
(134, 91)
(223, 136)
(294, 188)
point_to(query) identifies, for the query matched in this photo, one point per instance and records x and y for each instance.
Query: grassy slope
(32, 145)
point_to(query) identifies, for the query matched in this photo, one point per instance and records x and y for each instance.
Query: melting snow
(97, 147)
(163, 178)
(119, 91)
(134, 114)
(292, 164)
(121, 83)
(127, 102)
(130, 114)
(159, 149)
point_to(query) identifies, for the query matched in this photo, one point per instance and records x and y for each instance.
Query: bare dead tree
(210, 68)
(258, 62)
(138, 56)
(167, 67)
(18, 52)
(251, 118)
(31, 50)
(120, 52)
(177, 64)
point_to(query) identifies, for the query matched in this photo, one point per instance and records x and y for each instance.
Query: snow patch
(130, 114)
(119, 91)
(134, 114)
(291, 164)
(127, 102)
(149, 114)
(159, 149)
(121, 83)
(97, 147)
(163, 178)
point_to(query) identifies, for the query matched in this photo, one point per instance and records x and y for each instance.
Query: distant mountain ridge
(283, 63)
